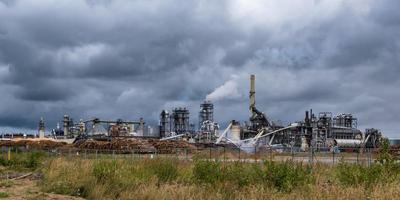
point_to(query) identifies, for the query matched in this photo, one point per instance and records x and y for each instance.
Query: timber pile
(171, 146)
(33, 144)
(141, 145)
(117, 144)
(120, 145)
(395, 150)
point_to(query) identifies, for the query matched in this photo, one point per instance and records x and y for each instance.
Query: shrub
(352, 174)
(3, 195)
(243, 174)
(30, 160)
(384, 156)
(3, 161)
(285, 176)
(33, 160)
(207, 172)
(104, 170)
(165, 170)
(6, 183)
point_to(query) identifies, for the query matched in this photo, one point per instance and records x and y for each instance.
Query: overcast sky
(132, 58)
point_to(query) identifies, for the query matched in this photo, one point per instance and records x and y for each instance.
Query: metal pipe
(223, 134)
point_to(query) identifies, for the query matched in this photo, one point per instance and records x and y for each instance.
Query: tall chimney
(252, 92)
(41, 128)
(66, 125)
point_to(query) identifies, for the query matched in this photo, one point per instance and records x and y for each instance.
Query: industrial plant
(322, 130)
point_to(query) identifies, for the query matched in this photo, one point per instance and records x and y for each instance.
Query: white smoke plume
(229, 90)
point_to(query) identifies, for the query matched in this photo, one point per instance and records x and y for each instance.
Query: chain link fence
(364, 156)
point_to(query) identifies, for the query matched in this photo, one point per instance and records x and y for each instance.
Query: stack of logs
(137, 145)
(32, 144)
(120, 145)
(171, 146)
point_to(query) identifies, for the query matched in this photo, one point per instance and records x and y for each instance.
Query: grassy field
(173, 179)
(169, 178)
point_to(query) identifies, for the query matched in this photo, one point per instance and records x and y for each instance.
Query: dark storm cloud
(128, 59)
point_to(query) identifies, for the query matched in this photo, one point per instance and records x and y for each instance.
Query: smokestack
(252, 92)
(307, 119)
(41, 128)
(66, 125)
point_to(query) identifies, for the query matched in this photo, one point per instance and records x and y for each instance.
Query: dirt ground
(27, 189)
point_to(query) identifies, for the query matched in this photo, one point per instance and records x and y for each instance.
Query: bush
(104, 170)
(352, 174)
(3, 195)
(33, 160)
(207, 172)
(3, 161)
(30, 160)
(285, 176)
(165, 170)
(384, 156)
(243, 174)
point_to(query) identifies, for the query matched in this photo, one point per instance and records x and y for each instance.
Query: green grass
(20, 161)
(170, 178)
(6, 183)
(120, 178)
(3, 195)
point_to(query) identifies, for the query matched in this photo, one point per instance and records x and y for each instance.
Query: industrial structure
(208, 128)
(321, 130)
(175, 125)
(41, 128)
(165, 124)
(180, 121)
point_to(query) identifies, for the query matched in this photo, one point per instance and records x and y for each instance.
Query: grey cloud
(130, 59)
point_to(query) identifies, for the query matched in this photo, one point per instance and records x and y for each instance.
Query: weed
(3, 195)
(33, 160)
(30, 160)
(242, 174)
(104, 170)
(207, 172)
(6, 183)
(285, 176)
(165, 170)
(351, 174)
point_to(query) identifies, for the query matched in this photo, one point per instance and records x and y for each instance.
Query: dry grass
(135, 179)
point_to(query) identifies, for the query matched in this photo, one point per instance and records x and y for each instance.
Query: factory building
(322, 130)
(208, 129)
(165, 125)
(319, 131)
(180, 121)
(206, 113)
(176, 123)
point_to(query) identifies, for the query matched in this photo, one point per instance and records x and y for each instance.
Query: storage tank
(348, 143)
(235, 132)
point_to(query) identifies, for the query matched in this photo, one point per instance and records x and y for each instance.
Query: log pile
(140, 145)
(171, 146)
(395, 151)
(33, 144)
(120, 145)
